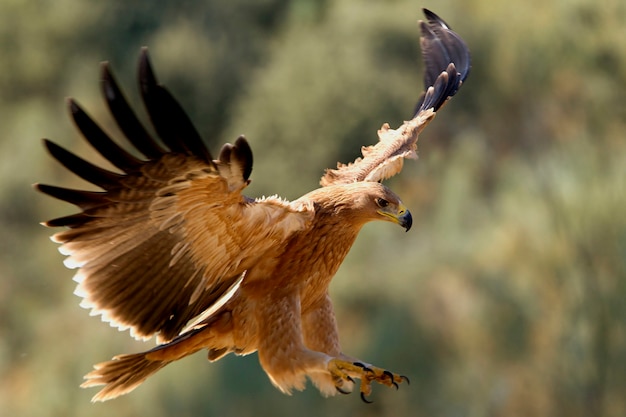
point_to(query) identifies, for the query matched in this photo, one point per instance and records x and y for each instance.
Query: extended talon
(365, 400)
(340, 391)
(390, 376)
(365, 368)
(339, 378)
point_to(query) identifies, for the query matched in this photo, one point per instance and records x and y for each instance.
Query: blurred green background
(507, 298)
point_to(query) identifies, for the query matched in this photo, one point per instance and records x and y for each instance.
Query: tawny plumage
(171, 248)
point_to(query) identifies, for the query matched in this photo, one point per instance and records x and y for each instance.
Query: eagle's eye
(381, 202)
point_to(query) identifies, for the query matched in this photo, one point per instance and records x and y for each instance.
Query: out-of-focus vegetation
(507, 298)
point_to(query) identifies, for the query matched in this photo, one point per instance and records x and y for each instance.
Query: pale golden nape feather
(354, 204)
(171, 248)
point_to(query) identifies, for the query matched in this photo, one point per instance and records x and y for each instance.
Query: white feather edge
(115, 322)
(193, 323)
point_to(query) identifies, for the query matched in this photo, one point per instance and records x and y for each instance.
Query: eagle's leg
(319, 330)
(295, 344)
(320, 333)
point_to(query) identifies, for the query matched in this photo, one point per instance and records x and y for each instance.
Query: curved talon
(405, 378)
(365, 400)
(365, 368)
(340, 391)
(349, 378)
(390, 376)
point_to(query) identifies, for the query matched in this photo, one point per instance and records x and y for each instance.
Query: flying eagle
(172, 248)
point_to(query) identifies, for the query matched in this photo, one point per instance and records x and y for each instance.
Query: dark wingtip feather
(239, 154)
(100, 140)
(83, 199)
(85, 170)
(147, 79)
(441, 47)
(243, 153)
(125, 116)
(432, 17)
(108, 83)
(225, 152)
(168, 117)
(452, 45)
(71, 221)
(72, 105)
(444, 87)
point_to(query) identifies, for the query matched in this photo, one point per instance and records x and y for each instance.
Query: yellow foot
(343, 373)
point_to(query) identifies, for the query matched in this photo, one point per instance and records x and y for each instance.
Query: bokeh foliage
(505, 299)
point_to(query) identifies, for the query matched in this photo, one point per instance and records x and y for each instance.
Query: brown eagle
(172, 248)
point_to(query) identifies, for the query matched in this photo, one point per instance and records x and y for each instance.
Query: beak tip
(407, 221)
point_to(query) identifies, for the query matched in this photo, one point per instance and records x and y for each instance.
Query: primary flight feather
(172, 248)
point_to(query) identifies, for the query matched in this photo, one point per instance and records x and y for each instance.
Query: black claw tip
(349, 378)
(365, 368)
(365, 400)
(405, 378)
(340, 391)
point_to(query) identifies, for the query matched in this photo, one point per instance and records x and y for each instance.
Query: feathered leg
(320, 333)
(308, 347)
(319, 329)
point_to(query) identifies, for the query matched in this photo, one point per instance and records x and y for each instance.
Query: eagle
(171, 248)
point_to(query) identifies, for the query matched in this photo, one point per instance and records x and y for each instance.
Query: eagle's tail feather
(122, 374)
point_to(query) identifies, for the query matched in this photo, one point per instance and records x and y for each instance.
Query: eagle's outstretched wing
(178, 207)
(447, 61)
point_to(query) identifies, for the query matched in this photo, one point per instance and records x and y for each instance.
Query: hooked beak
(405, 219)
(402, 217)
